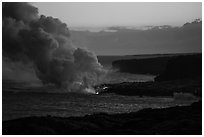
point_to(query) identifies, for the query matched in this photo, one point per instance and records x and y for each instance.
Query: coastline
(181, 120)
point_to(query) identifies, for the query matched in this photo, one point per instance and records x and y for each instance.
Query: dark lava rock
(163, 88)
(185, 120)
(153, 66)
(168, 67)
(182, 67)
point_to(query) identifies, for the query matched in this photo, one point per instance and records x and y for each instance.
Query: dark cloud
(44, 42)
(19, 11)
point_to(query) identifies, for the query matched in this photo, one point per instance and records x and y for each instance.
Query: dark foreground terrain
(184, 120)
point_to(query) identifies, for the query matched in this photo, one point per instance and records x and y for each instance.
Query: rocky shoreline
(154, 89)
(181, 74)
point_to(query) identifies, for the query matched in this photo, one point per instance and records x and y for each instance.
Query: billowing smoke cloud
(44, 44)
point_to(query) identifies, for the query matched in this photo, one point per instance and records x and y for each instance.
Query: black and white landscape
(101, 68)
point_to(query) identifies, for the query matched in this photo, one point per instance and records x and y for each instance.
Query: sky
(102, 14)
(94, 15)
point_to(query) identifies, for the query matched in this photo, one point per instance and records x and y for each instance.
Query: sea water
(22, 100)
(24, 104)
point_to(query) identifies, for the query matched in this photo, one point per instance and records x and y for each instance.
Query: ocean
(23, 100)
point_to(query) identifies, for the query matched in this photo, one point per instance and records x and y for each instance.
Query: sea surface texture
(21, 100)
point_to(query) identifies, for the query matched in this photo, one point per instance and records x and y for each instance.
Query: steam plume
(44, 43)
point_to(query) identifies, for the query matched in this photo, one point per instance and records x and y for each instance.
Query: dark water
(22, 104)
(23, 99)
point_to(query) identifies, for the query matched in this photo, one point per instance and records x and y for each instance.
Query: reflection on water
(22, 100)
(23, 104)
(118, 77)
